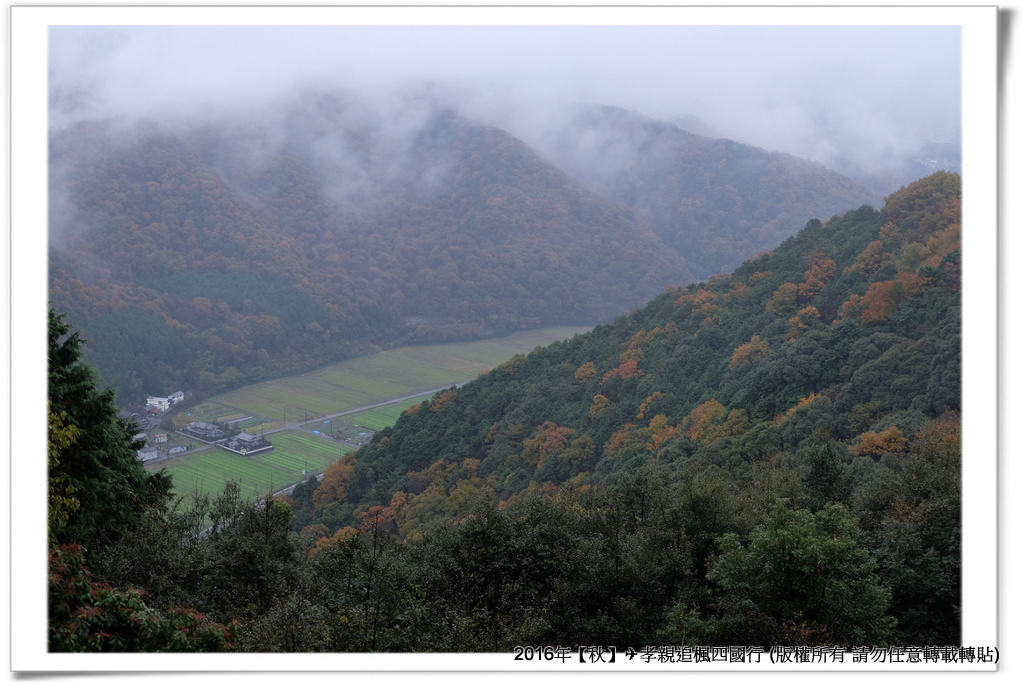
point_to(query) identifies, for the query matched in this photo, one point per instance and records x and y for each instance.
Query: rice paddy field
(333, 389)
(371, 379)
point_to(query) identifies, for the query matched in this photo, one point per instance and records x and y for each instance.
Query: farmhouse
(158, 403)
(205, 432)
(246, 444)
(147, 454)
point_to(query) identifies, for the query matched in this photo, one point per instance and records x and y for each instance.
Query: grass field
(293, 452)
(385, 416)
(207, 471)
(378, 377)
(212, 410)
(298, 451)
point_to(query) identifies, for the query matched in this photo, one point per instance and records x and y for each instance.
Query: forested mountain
(716, 201)
(771, 456)
(209, 256)
(209, 269)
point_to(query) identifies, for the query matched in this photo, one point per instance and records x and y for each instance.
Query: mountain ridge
(385, 232)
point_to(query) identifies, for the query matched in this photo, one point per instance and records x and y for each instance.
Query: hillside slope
(812, 394)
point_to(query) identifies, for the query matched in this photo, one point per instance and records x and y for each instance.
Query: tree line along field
(333, 389)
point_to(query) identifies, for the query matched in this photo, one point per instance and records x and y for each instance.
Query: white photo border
(28, 181)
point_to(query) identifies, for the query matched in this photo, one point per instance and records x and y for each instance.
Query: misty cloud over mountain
(869, 97)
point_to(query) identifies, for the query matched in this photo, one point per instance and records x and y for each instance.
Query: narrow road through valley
(298, 425)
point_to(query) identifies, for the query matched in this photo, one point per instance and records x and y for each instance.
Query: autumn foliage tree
(585, 372)
(804, 319)
(748, 352)
(599, 405)
(699, 423)
(821, 270)
(661, 432)
(548, 439)
(882, 299)
(875, 444)
(626, 370)
(443, 399)
(337, 478)
(870, 259)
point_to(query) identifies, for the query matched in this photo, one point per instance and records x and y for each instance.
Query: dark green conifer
(110, 484)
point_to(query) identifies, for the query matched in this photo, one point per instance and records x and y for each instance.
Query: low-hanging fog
(863, 100)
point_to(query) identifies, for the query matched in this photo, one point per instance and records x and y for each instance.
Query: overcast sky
(812, 91)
